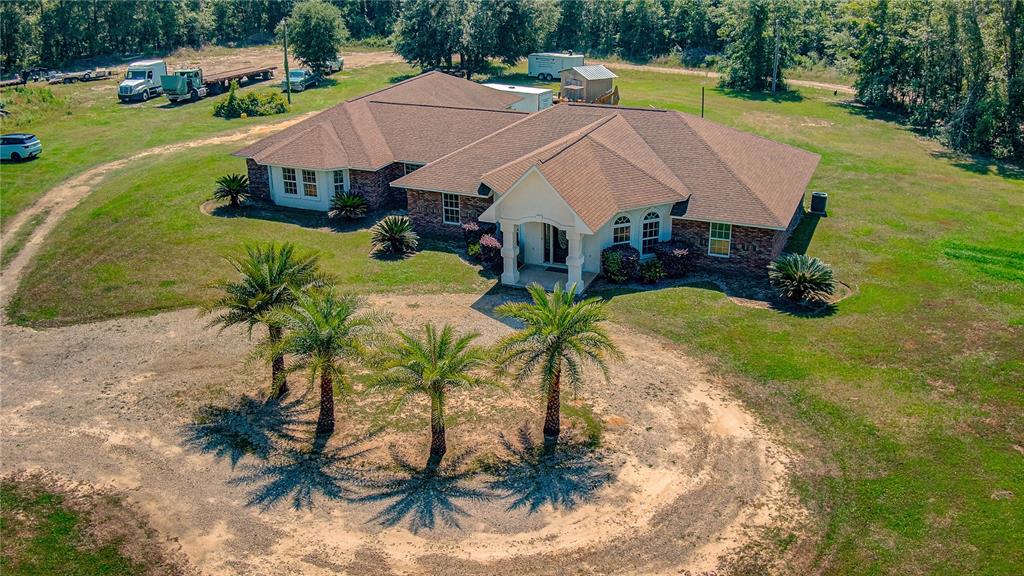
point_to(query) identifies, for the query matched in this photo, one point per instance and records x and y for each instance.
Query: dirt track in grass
(682, 474)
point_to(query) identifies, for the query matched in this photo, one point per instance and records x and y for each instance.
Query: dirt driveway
(682, 475)
(214, 60)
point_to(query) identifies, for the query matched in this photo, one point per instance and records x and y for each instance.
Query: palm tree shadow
(425, 495)
(562, 475)
(251, 426)
(303, 475)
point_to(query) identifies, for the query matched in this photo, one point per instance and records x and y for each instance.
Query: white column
(574, 261)
(509, 252)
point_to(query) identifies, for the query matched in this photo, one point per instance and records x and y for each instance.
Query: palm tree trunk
(325, 423)
(552, 424)
(234, 201)
(280, 381)
(437, 437)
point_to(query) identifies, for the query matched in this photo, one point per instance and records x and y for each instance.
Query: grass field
(82, 125)
(905, 402)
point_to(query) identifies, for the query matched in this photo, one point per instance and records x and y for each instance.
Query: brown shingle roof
(731, 176)
(411, 121)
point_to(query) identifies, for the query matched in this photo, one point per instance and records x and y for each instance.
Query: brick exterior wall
(751, 251)
(259, 180)
(376, 186)
(426, 214)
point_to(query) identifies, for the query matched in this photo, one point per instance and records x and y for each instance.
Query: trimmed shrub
(620, 264)
(250, 104)
(473, 250)
(651, 271)
(799, 277)
(490, 251)
(393, 235)
(348, 205)
(674, 258)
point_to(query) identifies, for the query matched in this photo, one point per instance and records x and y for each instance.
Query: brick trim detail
(259, 179)
(751, 250)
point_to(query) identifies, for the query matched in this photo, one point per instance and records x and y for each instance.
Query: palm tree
(434, 366)
(271, 276)
(232, 186)
(559, 336)
(323, 331)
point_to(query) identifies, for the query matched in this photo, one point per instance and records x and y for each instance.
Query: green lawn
(41, 535)
(905, 403)
(82, 125)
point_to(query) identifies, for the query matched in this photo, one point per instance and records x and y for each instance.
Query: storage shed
(532, 99)
(586, 83)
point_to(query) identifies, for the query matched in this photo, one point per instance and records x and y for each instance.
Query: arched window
(622, 229)
(651, 231)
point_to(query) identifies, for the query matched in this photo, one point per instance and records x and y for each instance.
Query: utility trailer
(191, 84)
(87, 76)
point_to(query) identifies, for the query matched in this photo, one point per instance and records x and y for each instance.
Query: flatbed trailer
(87, 76)
(192, 84)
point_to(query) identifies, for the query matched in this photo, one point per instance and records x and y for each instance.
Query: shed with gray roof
(586, 83)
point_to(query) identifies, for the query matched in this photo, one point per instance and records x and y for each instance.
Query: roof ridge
(728, 168)
(386, 88)
(537, 149)
(446, 107)
(278, 145)
(642, 169)
(615, 107)
(584, 132)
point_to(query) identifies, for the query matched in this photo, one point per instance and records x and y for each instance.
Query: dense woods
(953, 68)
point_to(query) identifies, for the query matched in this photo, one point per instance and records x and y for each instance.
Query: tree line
(954, 68)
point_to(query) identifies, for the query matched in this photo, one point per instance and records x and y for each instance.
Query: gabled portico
(540, 231)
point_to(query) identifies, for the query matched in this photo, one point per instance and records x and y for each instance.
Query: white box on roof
(533, 99)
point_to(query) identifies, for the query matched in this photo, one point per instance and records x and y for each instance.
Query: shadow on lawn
(311, 219)
(303, 475)
(249, 427)
(562, 475)
(425, 495)
(763, 96)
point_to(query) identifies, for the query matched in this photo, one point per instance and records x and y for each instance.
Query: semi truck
(142, 80)
(190, 83)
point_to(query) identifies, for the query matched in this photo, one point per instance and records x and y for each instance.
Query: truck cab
(142, 80)
(185, 84)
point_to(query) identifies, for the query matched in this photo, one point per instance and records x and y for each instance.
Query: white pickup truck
(142, 80)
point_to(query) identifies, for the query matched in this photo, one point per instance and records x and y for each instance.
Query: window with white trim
(309, 183)
(720, 239)
(450, 206)
(622, 229)
(651, 231)
(339, 181)
(290, 186)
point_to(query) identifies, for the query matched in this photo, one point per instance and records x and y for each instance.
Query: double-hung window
(720, 240)
(290, 186)
(309, 183)
(621, 230)
(339, 181)
(450, 206)
(651, 231)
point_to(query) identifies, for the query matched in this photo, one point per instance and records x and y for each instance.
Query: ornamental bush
(348, 205)
(250, 104)
(620, 264)
(799, 277)
(473, 230)
(674, 258)
(393, 235)
(651, 271)
(490, 251)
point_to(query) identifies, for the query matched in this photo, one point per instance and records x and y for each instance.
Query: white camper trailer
(531, 99)
(549, 65)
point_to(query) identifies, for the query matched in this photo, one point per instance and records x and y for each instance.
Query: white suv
(19, 146)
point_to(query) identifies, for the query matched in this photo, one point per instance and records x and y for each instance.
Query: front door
(556, 245)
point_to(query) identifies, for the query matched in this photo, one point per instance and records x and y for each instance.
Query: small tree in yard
(323, 332)
(271, 276)
(560, 336)
(233, 187)
(798, 277)
(316, 32)
(348, 205)
(434, 366)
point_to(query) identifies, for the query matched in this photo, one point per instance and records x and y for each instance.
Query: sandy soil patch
(709, 74)
(682, 475)
(218, 60)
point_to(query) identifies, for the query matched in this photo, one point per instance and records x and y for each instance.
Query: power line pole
(775, 66)
(287, 75)
(702, 101)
